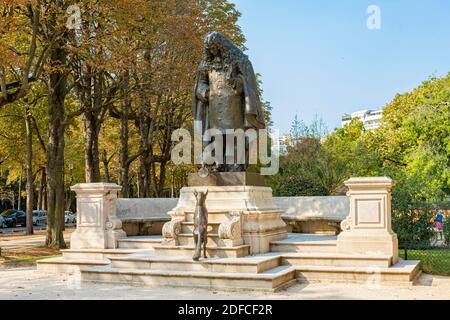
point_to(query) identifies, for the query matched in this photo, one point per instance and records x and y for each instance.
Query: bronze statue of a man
(226, 93)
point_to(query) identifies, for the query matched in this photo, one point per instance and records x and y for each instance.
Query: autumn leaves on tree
(112, 78)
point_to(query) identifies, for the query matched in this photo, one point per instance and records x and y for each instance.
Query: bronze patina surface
(226, 95)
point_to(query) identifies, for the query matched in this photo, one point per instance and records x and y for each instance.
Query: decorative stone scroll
(346, 224)
(230, 232)
(171, 231)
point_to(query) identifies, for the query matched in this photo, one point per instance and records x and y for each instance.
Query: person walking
(439, 224)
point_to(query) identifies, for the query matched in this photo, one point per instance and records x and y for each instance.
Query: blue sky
(319, 57)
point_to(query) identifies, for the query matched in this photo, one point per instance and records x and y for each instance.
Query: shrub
(296, 186)
(446, 230)
(413, 226)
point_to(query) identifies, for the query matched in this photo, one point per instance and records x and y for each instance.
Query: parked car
(14, 218)
(69, 217)
(39, 217)
(2, 222)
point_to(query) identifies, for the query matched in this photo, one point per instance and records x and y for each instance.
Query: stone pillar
(367, 230)
(97, 224)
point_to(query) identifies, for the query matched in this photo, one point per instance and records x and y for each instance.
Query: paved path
(19, 230)
(30, 284)
(31, 241)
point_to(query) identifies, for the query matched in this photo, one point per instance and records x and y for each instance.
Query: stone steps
(254, 264)
(334, 259)
(273, 280)
(212, 251)
(305, 258)
(403, 273)
(139, 242)
(74, 259)
(304, 246)
(62, 264)
(98, 254)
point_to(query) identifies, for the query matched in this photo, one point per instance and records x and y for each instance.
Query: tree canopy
(411, 146)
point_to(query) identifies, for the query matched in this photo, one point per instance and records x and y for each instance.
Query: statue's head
(217, 45)
(214, 43)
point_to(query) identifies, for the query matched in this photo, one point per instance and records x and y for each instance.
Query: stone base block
(377, 244)
(94, 238)
(260, 243)
(239, 213)
(226, 179)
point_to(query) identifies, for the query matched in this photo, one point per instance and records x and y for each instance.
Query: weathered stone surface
(260, 218)
(368, 228)
(302, 214)
(226, 179)
(98, 226)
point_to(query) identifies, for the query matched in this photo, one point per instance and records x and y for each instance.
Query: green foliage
(413, 226)
(266, 106)
(431, 261)
(414, 141)
(446, 230)
(306, 170)
(318, 166)
(296, 185)
(412, 147)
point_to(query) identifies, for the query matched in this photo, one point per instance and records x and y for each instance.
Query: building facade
(370, 118)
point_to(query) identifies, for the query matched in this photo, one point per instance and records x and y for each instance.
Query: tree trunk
(91, 95)
(19, 202)
(42, 203)
(144, 158)
(144, 175)
(105, 161)
(162, 178)
(124, 163)
(55, 151)
(29, 170)
(91, 153)
(153, 180)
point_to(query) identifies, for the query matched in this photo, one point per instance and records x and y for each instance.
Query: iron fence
(434, 259)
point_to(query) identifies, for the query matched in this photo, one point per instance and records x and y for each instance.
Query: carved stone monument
(241, 211)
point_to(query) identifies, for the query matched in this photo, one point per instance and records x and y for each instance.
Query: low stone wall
(301, 214)
(321, 215)
(142, 217)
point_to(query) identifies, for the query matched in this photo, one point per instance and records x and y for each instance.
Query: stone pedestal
(97, 224)
(367, 230)
(226, 179)
(240, 214)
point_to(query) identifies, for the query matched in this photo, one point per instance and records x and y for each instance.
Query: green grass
(435, 262)
(30, 260)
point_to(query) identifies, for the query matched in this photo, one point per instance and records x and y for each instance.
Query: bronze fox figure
(200, 225)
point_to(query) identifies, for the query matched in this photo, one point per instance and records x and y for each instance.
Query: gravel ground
(20, 283)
